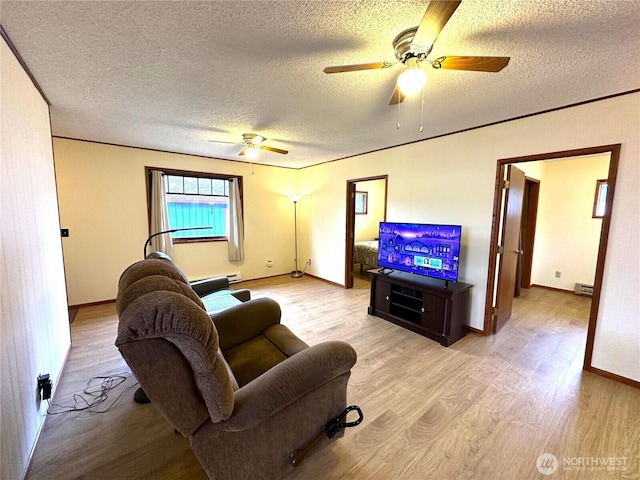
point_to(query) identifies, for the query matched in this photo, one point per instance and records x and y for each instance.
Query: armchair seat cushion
(254, 357)
(219, 301)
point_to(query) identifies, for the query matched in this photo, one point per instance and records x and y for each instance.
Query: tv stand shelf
(427, 306)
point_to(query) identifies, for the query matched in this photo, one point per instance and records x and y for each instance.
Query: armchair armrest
(238, 324)
(242, 294)
(288, 381)
(210, 285)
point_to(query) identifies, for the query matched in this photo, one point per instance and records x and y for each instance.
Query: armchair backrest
(171, 345)
(147, 268)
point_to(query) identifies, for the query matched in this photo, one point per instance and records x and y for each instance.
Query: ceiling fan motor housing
(252, 138)
(404, 48)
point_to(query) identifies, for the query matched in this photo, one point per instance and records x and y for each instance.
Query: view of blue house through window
(197, 202)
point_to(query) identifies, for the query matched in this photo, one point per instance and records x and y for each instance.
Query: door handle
(519, 252)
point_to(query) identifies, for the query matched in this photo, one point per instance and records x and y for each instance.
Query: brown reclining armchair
(241, 386)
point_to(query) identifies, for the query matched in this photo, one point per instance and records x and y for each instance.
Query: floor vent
(234, 278)
(583, 289)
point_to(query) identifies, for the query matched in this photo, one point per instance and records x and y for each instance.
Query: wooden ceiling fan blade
(360, 66)
(228, 143)
(475, 64)
(396, 97)
(435, 18)
(272, 149)
(244, 150)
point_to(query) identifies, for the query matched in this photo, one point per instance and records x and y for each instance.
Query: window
(600, 201)
(361, 203)
(197, 200)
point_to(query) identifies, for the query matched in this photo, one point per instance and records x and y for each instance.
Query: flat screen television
(420, 248)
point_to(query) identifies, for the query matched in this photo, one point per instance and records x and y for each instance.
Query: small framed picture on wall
(361, 203)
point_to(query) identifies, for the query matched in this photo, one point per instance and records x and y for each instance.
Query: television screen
(424, 249)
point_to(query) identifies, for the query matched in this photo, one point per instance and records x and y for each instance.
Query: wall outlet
(308, 261)
(44, 386)
(269, 263)
(557, 274)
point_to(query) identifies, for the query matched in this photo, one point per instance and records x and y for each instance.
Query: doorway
(366, 201)
(491, 307)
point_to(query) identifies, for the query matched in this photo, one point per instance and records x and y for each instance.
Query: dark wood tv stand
(421, 304)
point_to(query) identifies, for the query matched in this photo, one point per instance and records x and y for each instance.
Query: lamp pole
(296, 273)
(146, 244)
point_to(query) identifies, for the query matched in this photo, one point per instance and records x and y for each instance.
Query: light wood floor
(484, 408)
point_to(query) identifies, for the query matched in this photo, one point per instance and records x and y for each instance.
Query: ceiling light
(252, 152)
(413, 78)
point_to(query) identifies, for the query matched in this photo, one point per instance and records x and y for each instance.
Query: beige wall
(34, 323)
(444, 180)
(103, 204)
(567, 237)
(428, 182)
(451, 180)
(367, 226)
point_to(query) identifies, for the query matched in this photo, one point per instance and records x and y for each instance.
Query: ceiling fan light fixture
(412, 80)
(252, 152)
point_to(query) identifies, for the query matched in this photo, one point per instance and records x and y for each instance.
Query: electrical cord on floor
(95, 393)
(305, 267)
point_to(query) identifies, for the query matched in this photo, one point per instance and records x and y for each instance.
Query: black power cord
(96, 392)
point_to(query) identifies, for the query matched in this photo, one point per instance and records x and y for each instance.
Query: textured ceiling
(172, 75)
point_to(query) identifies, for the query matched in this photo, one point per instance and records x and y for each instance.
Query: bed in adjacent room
(365, 253)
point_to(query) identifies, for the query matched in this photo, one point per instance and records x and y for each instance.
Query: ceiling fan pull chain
(422, 112)
(404, 67)
(398, 116)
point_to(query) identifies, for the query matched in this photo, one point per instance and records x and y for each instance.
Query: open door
(492, 297)
(528, 229)
(350, 230)
(509, 250)
(377, 211)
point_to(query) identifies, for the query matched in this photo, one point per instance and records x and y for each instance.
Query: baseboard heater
(583, 289)
(234, 278)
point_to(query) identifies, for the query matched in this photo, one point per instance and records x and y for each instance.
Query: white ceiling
(171, 75)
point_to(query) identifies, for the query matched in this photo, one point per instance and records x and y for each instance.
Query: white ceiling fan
(252, 143)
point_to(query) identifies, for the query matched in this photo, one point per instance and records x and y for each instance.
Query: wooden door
(350, 230)
(529, 217)
(510, 248)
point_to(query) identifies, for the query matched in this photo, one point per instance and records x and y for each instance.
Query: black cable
(97, 390)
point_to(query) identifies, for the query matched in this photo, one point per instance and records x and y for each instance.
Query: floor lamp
(295, 198)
